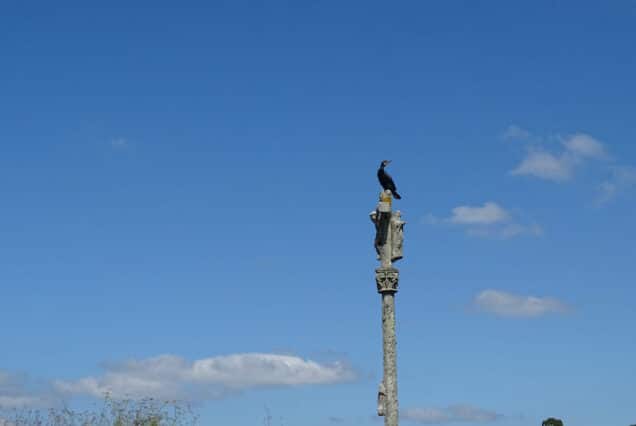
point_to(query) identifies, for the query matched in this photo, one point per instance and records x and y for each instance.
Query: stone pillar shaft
(387, 280)
(388, 244)
(390, 361)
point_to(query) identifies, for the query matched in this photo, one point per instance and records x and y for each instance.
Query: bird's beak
(388, 161)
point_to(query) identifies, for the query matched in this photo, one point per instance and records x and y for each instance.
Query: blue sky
(185, 191)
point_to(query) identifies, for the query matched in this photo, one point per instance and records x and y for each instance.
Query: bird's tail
(396, 195)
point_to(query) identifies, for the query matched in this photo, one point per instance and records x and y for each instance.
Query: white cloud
(169, 377)
(489, 220)
(545, 165)
(487, 214)
(172, 377)
(584, 145)
(451, 414)
(510, 305)
(574, 152)
(559, 165)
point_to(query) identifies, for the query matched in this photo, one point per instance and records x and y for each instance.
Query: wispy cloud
(560, 165)
(173, 377)
(545, 165)
(17, 390)
(489, 220)
(558, 159)
(506, 231)
(621, 179)
(505, 304)
(585, 146)
(514, 132)
(170, 377)
(452, 414)
(487, 214)
(119, 143)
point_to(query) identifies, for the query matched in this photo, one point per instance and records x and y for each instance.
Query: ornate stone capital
(386, 280)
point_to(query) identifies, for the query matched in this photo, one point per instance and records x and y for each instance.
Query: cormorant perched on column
(386, 180)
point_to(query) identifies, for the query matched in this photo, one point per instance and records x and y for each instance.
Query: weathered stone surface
(397, 236)
(389, 231)
(381, 399)
(388, 243)
(386, 280)
(389, 343)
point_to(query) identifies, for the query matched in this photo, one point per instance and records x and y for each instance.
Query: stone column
(387, 283)
(388, 244)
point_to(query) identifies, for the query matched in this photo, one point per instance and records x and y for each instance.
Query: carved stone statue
(381, 232)
(397, 236)
(381, 399)
(389, 229)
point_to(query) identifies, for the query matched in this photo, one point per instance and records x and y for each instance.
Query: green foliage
(127, 412)
(551, 421)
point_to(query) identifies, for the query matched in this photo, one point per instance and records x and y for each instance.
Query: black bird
(386, 180)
